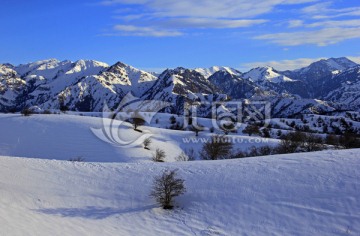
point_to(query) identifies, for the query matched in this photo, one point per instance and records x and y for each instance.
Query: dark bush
(26, 112)
(219, 147)
(77, 159)
(166, 187)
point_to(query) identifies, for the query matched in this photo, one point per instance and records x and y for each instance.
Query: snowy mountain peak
(6, 69)
(328, 65)
(207, 72)
(94, 67)
(25, 69)
(266, 73)
(179, 70)
(341, 63)
(131, 74)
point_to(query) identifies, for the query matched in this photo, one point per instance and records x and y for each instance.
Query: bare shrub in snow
(166, 187)
(147, 143)
(159, 155)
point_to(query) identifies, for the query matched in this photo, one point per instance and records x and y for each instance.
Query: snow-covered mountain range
(85, 85)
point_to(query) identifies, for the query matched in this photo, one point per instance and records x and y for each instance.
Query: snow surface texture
(297, 194)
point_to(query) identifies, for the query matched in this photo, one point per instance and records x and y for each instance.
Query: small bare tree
(136, 122)
(159, 155)
(166, 187)
(147, 143)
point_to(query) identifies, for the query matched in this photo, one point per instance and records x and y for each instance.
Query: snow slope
(298, 194)
(62, 137)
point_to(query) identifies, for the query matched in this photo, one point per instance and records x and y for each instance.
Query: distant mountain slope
(233, 85)
(180, 85)
(344, 88)
(318, 75)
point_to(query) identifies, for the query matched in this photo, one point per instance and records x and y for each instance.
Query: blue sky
(156, 34)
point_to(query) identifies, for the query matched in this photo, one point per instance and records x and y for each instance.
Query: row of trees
(221, 147)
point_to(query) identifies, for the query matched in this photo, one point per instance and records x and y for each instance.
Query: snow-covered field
(295, 194)
(298, 194)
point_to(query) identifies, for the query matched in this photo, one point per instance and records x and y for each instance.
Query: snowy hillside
(63, 137)
(298, 194)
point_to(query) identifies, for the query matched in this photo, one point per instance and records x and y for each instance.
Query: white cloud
(322, 37)
(189, 14)
(338, 23)
(283, 65)
(206, 8)
(355, 59)
(295, 23)
(323, 11)
(317, 8)
(131, 30)
(209, 23)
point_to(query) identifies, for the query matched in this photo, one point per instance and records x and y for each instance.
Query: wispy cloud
(335, 23)
(325, 10)
(355, 59)
(295, 23)
(180, 16)
(131, 30)
(283, 65)
(319, 24)
(322, 37)
(210, 23)
(206, 8)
